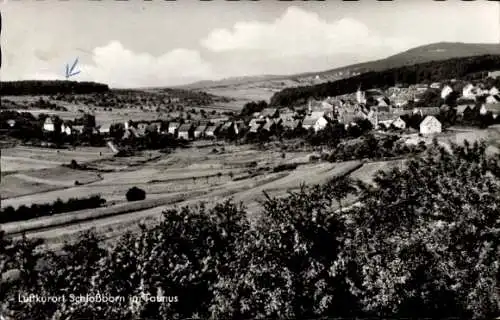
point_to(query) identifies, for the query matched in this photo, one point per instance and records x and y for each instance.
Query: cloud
(301, 33)
(120, 67)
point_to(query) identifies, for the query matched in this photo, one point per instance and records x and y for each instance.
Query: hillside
(264, 86)
(418, 73)
(432, 52)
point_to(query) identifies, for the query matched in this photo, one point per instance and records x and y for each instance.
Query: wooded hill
(418, 73)
(46, 87)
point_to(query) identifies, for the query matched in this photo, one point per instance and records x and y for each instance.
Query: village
(395, 108)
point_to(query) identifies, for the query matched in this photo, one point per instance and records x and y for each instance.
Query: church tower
(360, 96)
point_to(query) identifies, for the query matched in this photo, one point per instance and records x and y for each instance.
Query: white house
(316, 123)
(494, 91)
(446, 92)
(492, 99)
(468, 91)
(399, 123)
(48, 125)
(66, 128)
(430, 125)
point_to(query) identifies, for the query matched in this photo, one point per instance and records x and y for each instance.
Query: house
(385, 119)
(492, 99)
(255, 125)
(494, 91)
(493, 108)
(239, 126)
(399, 123)
(435, 85)
(317, 123)
(66, 128)
(468, 91)
(185, 131)
(461, 109)
(228, 128)
(269, 113)
(445, 92)
(77, 129)
(430, 125)
(173, 127)
(49, 124)
(104, 128)
(11, 123)
(155, 126)
(199, 132)
(141, 128)
(211, 131)
(494, 74)
(269, 125)
(290, 124)
(421, 87)
(286, 115)
(430, 111)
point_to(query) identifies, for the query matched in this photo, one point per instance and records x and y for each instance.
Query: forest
(423, 242)
(457, 68)
(49, 87)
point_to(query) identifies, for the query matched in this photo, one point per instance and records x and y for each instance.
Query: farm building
(77, 129)
(185, 131)
(141, 128)
(493, 99)
(317, 123)
(430, 125)
(228, 129)
(211, 131)
(173, 127)
(157, 125)
(49, 124)
(399, 123)
(255, 125)
(468, 91)
(290, 124)
(494, 108)
(446, 92)
(286, 114)
(66, 128)
(494, 74)
(269, 113)
(199, 132)
(435, 85)
(430, 111)
(464, 108)
(269, 126)
(104, 128)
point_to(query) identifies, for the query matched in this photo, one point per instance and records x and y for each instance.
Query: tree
(135, 194)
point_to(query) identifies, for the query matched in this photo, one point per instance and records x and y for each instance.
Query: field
(184, 177)
(207, 173)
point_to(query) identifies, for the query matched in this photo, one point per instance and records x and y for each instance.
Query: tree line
(9, 214)
(422, 242)
(419, 73)
(49, 87)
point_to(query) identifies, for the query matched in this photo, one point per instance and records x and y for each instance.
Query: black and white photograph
(251, 159)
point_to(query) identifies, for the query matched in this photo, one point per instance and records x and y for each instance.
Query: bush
(285, 167)
(135, 194)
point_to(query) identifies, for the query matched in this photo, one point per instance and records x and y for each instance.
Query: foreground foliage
(423, 242)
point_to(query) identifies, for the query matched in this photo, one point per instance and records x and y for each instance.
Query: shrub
(135, 194)
(285, 167)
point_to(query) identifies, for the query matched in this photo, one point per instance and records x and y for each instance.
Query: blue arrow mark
(69, 71)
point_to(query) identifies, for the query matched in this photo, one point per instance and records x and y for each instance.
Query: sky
(138, 43)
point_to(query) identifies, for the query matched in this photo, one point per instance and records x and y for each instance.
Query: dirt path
(45, 181)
